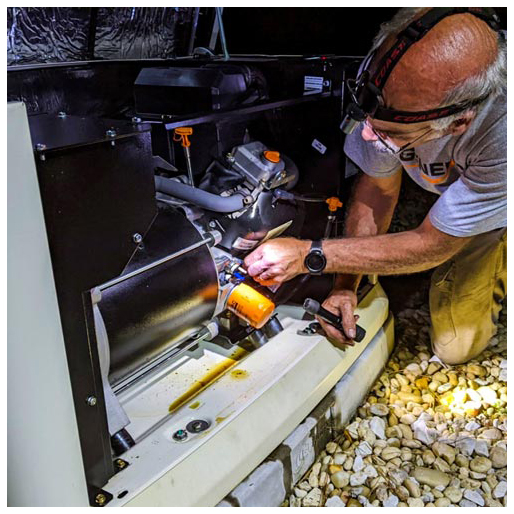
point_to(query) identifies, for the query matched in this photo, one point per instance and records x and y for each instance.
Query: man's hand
(278, 260)
(342, 303)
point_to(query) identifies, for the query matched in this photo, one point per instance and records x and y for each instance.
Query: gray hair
(491, 82)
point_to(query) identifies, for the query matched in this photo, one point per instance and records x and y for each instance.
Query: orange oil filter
(250, 305)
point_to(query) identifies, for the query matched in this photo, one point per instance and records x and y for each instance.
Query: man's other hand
(278, 260)
(341, 303)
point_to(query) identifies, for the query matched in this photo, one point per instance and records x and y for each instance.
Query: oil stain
(194, 405)
(239, 374)
(213, 374)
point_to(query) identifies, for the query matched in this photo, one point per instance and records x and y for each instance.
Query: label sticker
(277, 231)
(313, 84)
(244, 244)
(320, 147)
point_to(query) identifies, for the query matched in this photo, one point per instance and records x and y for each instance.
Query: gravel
(427, 434)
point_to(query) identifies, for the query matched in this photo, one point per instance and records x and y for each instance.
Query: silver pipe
(222, 34)
(152, 265)
(193, 31)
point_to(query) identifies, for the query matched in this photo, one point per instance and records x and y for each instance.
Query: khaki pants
(465, 298)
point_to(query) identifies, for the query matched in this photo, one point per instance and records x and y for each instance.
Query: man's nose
(368, 134)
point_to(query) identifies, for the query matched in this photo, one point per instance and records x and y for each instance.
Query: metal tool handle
(313, 307)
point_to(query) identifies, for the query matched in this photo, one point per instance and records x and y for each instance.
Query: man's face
(393, 138)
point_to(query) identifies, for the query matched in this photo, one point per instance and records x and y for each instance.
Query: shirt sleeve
(370, 160)
(474, 204)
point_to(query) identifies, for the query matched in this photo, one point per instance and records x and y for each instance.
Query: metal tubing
(193, 31)
(226, 56)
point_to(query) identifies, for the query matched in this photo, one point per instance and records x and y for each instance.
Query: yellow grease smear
(199, 385)
(194, 405)
(239, 374)
(220, 419)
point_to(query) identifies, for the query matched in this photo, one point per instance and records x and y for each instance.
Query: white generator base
(251, 410)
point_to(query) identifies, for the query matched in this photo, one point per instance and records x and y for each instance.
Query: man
(458, 153)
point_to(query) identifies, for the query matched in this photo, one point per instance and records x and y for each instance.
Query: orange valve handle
(334, 203)
(183, 133)
(250, 305)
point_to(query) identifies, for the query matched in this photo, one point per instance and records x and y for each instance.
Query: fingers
(348, 320)
(253, 257)
(336, 337)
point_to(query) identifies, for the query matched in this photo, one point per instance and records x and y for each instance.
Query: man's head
(459, 60)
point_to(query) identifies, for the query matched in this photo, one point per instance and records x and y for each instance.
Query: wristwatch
(315, 261)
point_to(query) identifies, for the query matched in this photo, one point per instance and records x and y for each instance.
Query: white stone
(472, 425)
(377, 426)
(334, 501)
(313, 498)
(358, 464)
(358, 478)
(467, 503)
(482, 448)
(379, 409)
(466, 445)
(363, 449)
(370, 471)
(423, 433)
(474, 496)
(500, 490)
(390, 501)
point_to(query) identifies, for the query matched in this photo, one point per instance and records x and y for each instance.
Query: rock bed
(426, 434)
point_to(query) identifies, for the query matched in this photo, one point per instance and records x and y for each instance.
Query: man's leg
(465, 298)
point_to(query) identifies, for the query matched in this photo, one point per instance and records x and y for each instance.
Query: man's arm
(369, 213)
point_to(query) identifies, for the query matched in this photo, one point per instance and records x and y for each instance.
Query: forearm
(369, 213)
(391, 254)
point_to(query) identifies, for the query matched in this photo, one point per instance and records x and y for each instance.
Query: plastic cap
(272, 156)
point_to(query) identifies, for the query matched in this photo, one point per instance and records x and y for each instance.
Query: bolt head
(100, 499)
(40, 147)
(247, 200)
(110, 133)
(137, 238)
(91, 400)
(136, 120)
(62, 114)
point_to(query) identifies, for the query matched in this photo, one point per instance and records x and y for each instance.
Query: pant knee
(461, 349)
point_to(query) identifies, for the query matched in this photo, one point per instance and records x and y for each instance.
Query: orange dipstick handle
(333, 203)
(181, 134)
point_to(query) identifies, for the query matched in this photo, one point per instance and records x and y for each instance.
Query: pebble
(500, 490)
(474, 496)
(379, 409)
(498, 457)
(427, 435)
(391, 501)
(334, 501)
(340, 479)
(480, 464)
(313, 498)
(430, 477)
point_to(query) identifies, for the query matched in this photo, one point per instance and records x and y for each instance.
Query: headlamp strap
(417, 30)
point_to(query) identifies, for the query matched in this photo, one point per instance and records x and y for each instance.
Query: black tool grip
(313, 307)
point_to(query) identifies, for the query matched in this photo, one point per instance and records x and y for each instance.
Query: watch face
(316, 262)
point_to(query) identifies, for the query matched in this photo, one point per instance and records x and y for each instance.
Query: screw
(40, 147)
(180, 435)
(101, 499)
(91, 400)
(212, 224)
(120, 463)
(62, 114)
(137, 238)
(136, 120)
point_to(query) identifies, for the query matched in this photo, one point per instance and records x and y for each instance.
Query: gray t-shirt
(469, 171)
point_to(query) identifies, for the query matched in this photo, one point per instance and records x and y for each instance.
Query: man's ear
(460, 125)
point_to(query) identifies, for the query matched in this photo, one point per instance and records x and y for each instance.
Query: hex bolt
(91, 400)
(212, 224)
(101, 499)
(137, 238)
(136, 120)
(61, 114)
